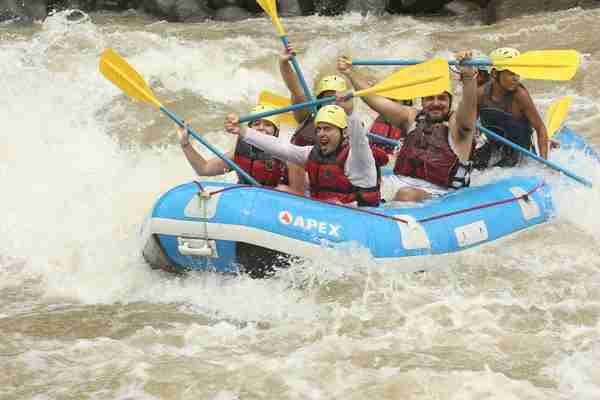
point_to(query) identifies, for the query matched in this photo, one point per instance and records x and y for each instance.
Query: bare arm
(293, 83)
(398, 114)
(214, 166)
(525, 102)
(462, 125)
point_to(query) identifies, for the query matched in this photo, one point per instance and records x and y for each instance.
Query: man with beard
(506, 108)
(434, 157)
(339, 171)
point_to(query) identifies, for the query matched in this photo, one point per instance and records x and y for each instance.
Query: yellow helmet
(334, 115)
(503, 53)
(332, 82)
(259, 108)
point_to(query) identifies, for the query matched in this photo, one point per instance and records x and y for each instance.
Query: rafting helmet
(332, 114)
(332, 82)
(503, 53)
(260, 108)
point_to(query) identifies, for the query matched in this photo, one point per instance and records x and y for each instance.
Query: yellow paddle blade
(270, 7)
(426, 79)
(551, 65)
(119, 72)
(274, 99)
(556, 114)
(278, 101)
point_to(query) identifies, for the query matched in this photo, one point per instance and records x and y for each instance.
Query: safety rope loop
(375, 213)
(486, 205)
(526, 197)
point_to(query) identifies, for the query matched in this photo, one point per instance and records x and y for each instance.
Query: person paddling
(506, 108)
(434, 157)
(341, 166)
(267, 171)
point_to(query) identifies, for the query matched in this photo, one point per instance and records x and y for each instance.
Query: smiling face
(329, 137)
(437, 107)
(264, 126)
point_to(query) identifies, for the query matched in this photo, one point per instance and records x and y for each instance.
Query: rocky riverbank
(232, 10)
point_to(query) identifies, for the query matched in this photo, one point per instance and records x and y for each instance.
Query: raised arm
(462, 125)
(214, 166)
(293, 83)
(526, 104)
(277, 147)
(398, 114)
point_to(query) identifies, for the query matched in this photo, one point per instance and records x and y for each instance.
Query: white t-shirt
(360, 166)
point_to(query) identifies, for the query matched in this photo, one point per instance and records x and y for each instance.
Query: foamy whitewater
(83, 316)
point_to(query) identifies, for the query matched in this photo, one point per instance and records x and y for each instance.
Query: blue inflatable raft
(227, 227)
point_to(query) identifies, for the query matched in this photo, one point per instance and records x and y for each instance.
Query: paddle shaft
(383, 139)
(533, 155)
(298, 106)
(298, 71)
(508, 143)
(199, 138)
(415, 62)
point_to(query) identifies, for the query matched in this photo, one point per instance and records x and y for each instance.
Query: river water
(83, 317)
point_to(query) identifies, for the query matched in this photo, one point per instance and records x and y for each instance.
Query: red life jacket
(329, 182)
(426, 154)
(261, 166)
(383, 128)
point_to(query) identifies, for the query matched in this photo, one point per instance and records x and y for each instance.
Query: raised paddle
(119, 72)
(278, 101)
(427, 79)
(557, 113)
(270, 7)
(552, 65)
